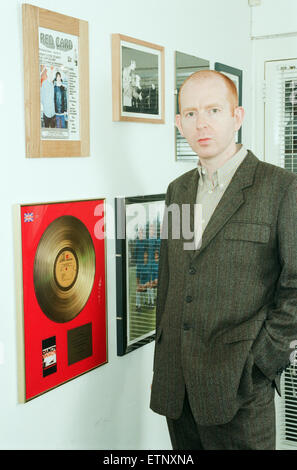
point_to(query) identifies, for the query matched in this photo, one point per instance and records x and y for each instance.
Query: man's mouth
(204, 140)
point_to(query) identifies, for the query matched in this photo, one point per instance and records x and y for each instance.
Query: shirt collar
(223, 174)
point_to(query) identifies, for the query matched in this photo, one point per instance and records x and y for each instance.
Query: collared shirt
(210, 191)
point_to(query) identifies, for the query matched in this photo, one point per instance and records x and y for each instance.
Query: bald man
(227, 296)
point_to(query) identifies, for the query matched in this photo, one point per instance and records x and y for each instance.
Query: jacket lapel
(230, 202)
(187, 200)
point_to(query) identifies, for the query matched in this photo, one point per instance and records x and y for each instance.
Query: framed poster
(138, 80)
(185, 65)
(138, 229)
(236, 76)
(60, 252)
(56, 84)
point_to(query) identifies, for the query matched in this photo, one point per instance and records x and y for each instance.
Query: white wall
(107, 408)
(274, 17)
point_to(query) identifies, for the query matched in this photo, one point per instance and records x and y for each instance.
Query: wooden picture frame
(137, 80)
(43, 31)
(138, 226)
(236, 76)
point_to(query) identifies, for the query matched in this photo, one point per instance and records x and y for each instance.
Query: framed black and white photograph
(138, 237)
(236, 76)
(138, 80)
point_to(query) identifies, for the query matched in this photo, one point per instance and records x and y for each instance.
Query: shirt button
(189, 299)
(221, 185)
(192, 270)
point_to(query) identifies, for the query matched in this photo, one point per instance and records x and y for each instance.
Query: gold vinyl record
(64, 269)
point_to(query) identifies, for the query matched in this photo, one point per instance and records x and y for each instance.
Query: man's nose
(201, 121)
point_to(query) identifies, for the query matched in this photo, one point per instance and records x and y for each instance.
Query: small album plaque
(79, 343)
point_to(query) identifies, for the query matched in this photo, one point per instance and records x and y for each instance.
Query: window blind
(288, 409)
(281, 149)
(288, 108)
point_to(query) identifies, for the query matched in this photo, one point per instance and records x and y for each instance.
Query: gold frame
(33, 18)
(117, 80)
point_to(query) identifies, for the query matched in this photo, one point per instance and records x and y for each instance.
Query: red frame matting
(37, 326)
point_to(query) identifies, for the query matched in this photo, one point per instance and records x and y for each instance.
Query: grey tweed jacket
(232, 304)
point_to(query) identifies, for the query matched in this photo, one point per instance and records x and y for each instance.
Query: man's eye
(190, 114)
(214, 110)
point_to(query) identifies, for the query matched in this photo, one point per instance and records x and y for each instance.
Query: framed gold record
(62, 305)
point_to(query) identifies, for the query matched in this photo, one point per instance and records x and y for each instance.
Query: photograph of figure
(47, 104)
(53, 98)
(140, 81)
(143, 278)
(60, 96)
(143, 239)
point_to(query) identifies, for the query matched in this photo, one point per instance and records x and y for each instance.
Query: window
(281, 150)
(281, 113)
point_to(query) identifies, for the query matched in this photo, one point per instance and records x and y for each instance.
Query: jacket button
(189, 299)
(192, 270)
(186, 326)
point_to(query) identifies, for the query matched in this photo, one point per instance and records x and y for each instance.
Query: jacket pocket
(244, 331)
(246, 231)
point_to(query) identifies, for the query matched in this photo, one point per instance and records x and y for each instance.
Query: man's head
(58, 77)
(209, 113)
(145, 256)
(140, 233)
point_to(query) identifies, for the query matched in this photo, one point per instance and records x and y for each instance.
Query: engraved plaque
(79, 343)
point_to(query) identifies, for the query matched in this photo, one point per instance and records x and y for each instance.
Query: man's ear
(178, 124)
(239, 116)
